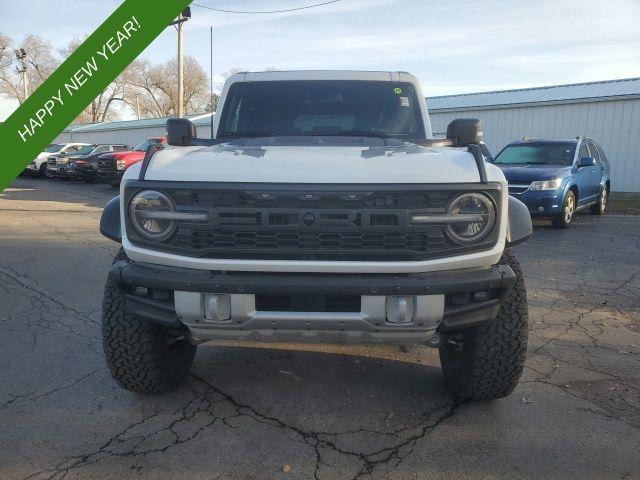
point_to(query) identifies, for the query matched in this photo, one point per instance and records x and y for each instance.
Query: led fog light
(217, 307)
(400, 310)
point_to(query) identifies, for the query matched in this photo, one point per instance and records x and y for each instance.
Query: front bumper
(31, 168)
(178, 296)
(110, 176)
(67, 172)
(541, 202)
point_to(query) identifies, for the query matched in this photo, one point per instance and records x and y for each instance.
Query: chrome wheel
(569, 208)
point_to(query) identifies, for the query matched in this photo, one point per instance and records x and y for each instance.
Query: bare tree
(154, 85)
(40, 63)
(101, 108)
(6, 59)
(5, 51)
(157, 89)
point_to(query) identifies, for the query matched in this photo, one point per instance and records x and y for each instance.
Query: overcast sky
(453, 46)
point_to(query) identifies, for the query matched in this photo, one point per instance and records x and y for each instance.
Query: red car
(111, 166)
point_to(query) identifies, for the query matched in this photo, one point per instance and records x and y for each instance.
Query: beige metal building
(129, 132)
(607, 111)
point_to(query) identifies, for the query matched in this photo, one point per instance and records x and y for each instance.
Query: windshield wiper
(355, 133)
(346, 133)
(519, 163)
(250, 134)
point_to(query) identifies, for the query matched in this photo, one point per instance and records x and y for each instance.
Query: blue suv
(554, 178)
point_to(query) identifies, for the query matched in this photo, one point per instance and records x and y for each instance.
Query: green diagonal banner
(88, 71)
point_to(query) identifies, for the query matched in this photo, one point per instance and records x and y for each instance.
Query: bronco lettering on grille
(323, 225)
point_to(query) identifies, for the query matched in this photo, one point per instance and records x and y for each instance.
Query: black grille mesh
(106, 164)
(250, 224)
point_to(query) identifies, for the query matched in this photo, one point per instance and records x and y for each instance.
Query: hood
(317, 162)
(67, 155)
(530, 173)
(123, 154)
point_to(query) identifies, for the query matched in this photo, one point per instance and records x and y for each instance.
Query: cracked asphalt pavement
(303, 412)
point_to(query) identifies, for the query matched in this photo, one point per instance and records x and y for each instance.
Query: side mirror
(465, 131)
(180, 132)
(586, 162)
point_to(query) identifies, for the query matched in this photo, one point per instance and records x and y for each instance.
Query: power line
(266, 11)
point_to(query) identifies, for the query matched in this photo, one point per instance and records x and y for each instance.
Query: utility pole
(211, 79)
(21, 55)
(184, 16)
(180, 73)
(138, 105)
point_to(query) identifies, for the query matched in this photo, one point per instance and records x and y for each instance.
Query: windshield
(321, 107)
(53, 148)
(538, 153)
(86, 149)
(146, 144)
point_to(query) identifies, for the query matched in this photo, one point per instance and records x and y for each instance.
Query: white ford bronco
(322, 210)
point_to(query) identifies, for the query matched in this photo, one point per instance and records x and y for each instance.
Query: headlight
(472, 216)
(150, 213)
(554, 184)
(120, 164)
(62, 161)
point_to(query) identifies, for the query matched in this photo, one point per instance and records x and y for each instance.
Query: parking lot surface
(311, 412)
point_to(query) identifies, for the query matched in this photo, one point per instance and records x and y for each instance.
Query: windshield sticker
(397, 90)
(404, 102)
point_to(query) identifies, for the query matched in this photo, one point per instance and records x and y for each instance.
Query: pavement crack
(161, 431)
(30, 397)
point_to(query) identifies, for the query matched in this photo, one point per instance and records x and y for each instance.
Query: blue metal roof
(555, 93)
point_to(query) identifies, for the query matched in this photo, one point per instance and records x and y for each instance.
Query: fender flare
(110, 220)
(519, 226)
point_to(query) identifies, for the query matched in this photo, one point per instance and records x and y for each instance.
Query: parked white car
(38, 166)
(323, 211)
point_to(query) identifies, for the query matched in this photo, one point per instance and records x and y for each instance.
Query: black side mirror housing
(465, 131)
(586, 162)
(180, 132)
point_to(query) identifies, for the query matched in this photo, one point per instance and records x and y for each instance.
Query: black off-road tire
(485, 362)
(143, 357)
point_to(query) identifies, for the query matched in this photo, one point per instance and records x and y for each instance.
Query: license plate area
(308, 303)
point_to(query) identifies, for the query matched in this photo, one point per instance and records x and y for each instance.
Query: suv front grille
(310, 224)
(106, 164)
(312, 245)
